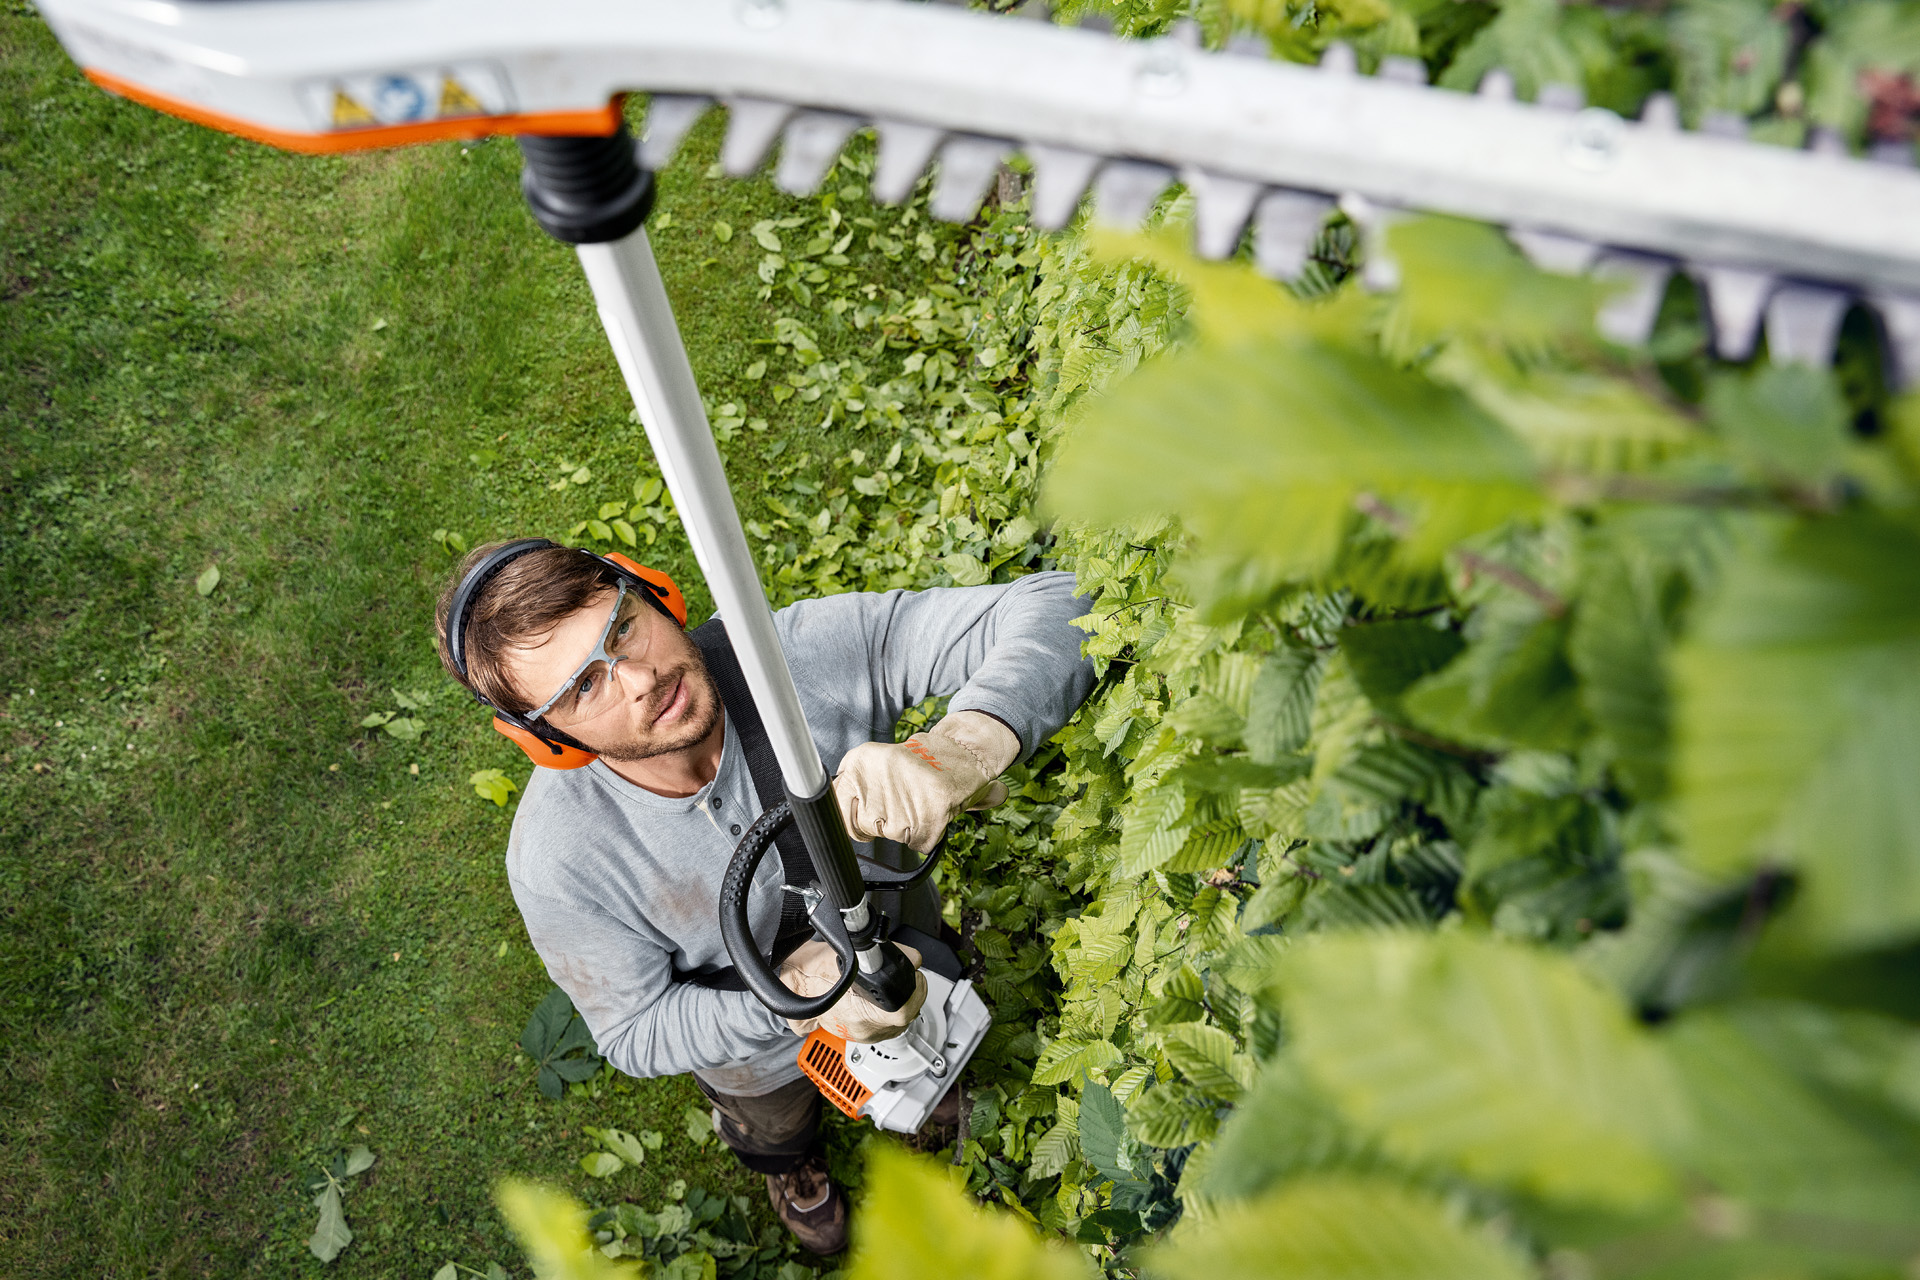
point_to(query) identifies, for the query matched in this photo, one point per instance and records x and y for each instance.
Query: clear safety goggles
(591, 684)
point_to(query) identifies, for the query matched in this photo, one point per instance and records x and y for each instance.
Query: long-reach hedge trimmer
(1778, 239)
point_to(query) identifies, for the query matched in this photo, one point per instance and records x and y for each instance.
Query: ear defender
(545, 753)
(660, 590)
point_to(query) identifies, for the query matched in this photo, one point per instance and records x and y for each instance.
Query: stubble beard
(703, 712)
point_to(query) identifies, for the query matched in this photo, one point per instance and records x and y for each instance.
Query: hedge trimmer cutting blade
(1777, 238)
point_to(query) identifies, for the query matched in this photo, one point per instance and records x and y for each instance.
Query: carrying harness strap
(724, 667)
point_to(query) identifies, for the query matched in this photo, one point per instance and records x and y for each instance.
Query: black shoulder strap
(711, 637)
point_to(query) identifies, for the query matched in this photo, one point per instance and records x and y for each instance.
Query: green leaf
(625, 532)
(600, 1164)
(359, 1160)
(1152, 831)
(1787, 422)
(547, 1025)
(1208, 1057)
(916, 1222)
(1617, 648)
(405, 728)
(1460, 277)
(619, 1142)
(1513, 687)
(492, 784)
(1731, 54)
(1280, 707)
(447, 1272)
(1798, 723)
(1795, 1111)
(1067, 1059)
(373, 720)
(1387, 658)
(1529, 40)
(1103, 1134)
(1282, 1128)
(1170, 1116)
(697, 1123)
(1056, 1149)
(646, 492)
(209, 579)
(1297, 431)
(1507, 1063)
(552, 1229)
(965, 570)
(332, 1234)
(1337, 1228)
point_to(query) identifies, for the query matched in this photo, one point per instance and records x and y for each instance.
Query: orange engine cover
(824, 1060)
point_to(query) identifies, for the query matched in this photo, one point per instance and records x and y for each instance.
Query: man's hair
(522, 602)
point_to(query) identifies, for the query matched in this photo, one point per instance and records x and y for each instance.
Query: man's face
(656, 699)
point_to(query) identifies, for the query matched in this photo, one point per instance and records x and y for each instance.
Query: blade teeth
(752, 125)
(1284, 226)
(1803, 324)
(1403, 70)
(1498, 85)
(1380, 273)
(812, 143)
(1825, 141)
(1724, 124)
(1627, 317)
(905, 151)
(1339, 59)
(1661, 111)
(1124, 191)
(1893, 151)
(1900, 316)
(1552, 251)
(1222, 206)
(1562, 97)
(1736, 297)
(1060, 178)
(967, 164)
(670, 117)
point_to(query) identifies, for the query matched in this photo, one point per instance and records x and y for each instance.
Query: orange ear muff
(548, 755)
(666, 590)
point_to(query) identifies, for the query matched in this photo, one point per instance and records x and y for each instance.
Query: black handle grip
(737, 933)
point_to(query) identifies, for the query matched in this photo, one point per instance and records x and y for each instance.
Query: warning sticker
(348, 114)
(456, 101)
(411, 96)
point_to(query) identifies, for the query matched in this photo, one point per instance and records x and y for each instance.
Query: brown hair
(524, 600)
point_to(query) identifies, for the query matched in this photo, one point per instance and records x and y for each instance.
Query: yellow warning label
(347, 113)
(456, 101)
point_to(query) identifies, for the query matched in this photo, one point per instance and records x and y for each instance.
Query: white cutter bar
(1777, 237)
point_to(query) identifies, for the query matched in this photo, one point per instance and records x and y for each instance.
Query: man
(616, 866)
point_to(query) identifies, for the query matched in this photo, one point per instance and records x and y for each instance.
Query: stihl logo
(920, 750)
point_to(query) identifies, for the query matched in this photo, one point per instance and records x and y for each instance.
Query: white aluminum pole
(646, 341)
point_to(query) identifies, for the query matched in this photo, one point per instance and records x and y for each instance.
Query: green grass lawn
(243, 932)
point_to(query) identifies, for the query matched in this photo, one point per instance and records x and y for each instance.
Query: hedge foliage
(1493, 846)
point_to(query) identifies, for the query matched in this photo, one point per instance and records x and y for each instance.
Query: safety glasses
(592, 679)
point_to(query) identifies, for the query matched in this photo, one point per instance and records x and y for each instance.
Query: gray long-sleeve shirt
(619, 885)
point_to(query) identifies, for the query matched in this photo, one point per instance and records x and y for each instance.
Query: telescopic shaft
(592, 193)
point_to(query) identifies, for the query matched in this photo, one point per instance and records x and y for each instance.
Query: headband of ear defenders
(548, 748)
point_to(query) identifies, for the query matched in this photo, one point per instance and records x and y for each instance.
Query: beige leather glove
(811, 969)
(909, 791)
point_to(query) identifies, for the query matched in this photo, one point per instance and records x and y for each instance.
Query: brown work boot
(811, 1206)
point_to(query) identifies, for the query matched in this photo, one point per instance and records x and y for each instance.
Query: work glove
(811, 971)
(909, 791)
